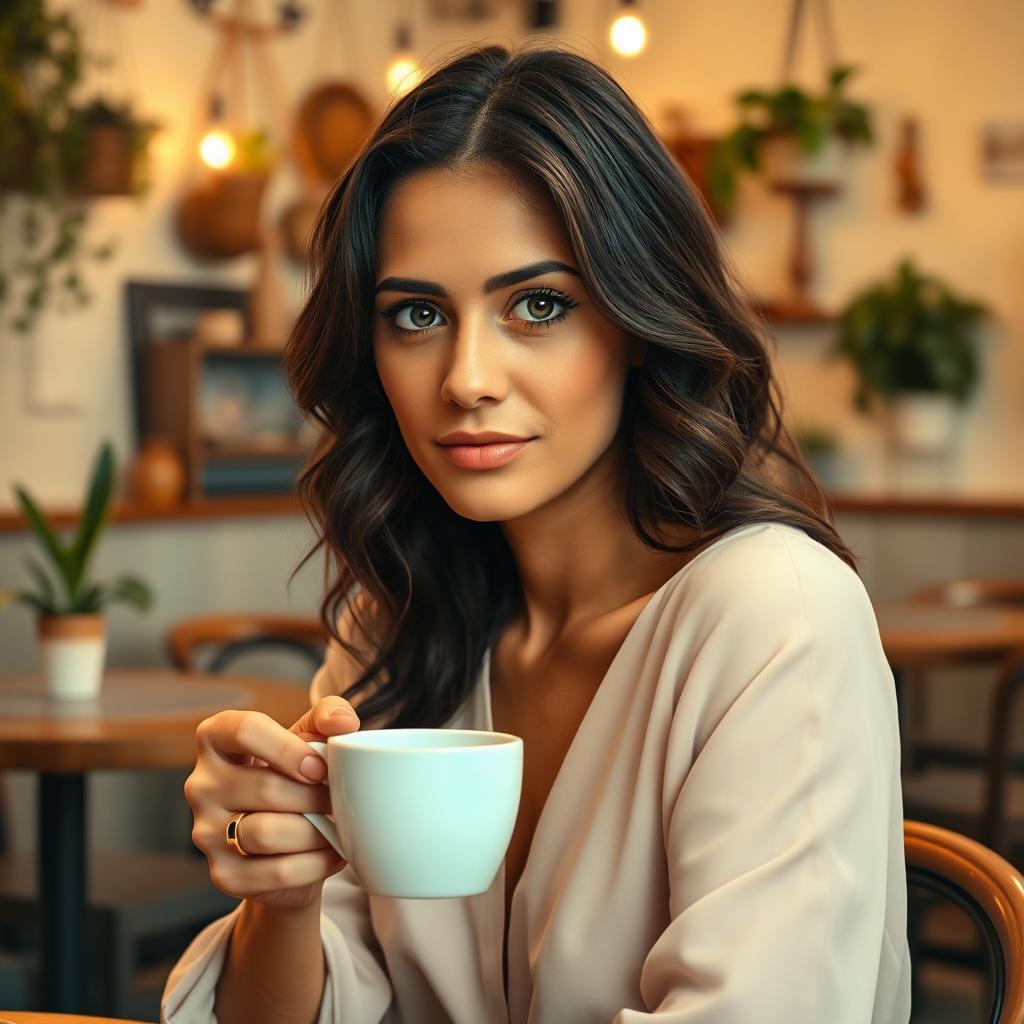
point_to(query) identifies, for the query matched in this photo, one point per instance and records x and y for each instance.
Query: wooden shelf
(951, 505)
(212, 452)
(208, 508)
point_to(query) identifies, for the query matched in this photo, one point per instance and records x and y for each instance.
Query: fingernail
(342, 709)
(313, 767)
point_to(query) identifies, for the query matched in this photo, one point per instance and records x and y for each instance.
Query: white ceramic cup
(422, 813)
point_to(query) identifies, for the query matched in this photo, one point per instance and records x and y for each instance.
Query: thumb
(329, 716)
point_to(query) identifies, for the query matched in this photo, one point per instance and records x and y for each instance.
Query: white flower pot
(921, 423)
(72, 649)
(782, 160)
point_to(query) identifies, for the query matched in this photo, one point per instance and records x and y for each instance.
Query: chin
(484, 508)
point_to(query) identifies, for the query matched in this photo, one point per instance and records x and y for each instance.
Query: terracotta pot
(220, 218)
(72, 649)
(20, 151)
(107, 168)
(158, 474)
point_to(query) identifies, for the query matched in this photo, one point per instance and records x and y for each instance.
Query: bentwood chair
(989, 890)
(227, 636)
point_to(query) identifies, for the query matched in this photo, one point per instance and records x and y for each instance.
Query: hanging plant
(49, 156)
(789, 112)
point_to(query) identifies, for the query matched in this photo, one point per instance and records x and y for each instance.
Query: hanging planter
(791, 137)
(785, 161)
(219, 219)
(107, 150)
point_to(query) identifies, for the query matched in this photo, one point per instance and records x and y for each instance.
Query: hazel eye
(420, 316)
(537, 307)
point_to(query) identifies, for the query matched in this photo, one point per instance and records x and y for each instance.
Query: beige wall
(953, 65)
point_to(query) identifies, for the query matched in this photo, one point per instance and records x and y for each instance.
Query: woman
(711, 824)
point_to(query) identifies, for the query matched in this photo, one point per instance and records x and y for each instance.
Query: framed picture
(1002, 151)
(166, 312)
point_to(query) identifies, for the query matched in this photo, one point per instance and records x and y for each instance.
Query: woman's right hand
(248, 762)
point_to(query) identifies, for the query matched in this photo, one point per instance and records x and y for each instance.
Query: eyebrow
(492, 284)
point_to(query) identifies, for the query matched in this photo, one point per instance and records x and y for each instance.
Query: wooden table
(918, 636)
(24, 1017)
(143, 719)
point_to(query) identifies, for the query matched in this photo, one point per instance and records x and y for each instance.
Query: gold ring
(231, 833)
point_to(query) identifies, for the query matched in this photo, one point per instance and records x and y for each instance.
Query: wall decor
(165, 311)
(1002, 151)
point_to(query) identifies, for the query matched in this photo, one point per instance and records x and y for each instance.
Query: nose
(476, 369)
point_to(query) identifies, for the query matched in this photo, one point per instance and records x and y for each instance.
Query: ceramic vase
(158, 474)
(72, 649)
(921, 423)
(782, 160)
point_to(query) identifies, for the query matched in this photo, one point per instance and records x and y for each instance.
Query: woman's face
(484, 325)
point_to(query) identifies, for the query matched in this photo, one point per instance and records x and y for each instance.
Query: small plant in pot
(790, 134)
(912, 343)
(105, 149)
(71, 627)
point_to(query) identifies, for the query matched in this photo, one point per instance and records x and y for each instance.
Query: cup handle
(323, 824)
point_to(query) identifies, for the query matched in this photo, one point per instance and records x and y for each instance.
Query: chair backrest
(989, 890)
(971, 593)
(236, 633)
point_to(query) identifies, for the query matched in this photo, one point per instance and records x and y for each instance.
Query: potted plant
(46, 145)
(105, 149)
(911, 341)
(793, 135)
(71, 629)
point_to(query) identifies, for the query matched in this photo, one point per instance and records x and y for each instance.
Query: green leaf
(45, 533)
(94, 516)
(132, 590)
(37, 603)
(49, 595)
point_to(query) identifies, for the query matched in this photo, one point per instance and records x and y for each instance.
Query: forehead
(481, 220)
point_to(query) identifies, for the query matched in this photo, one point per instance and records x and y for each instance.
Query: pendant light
(403, 72)
(217, 147)
(628, 34)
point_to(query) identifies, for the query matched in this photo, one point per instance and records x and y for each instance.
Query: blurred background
(161, 162)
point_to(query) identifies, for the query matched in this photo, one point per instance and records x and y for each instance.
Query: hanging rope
(827, 38)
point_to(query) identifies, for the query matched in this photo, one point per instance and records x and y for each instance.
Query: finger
(233, 735)
(330, 716)
(242, 788)
(254, 876)
(265, 833)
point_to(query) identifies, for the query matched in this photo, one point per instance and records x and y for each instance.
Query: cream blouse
(723, 843)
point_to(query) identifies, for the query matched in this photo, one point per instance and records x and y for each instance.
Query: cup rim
(500, 739)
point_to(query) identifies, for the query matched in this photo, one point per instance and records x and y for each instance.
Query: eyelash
(395, 308)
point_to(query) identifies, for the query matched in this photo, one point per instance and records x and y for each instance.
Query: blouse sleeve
(781, 835)
(357, 986)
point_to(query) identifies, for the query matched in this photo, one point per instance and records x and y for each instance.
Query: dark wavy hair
(701, 421)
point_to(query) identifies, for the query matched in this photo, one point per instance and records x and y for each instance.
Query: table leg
(62, 854)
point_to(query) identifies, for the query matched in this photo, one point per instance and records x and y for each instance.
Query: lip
(483, 437)
(484, 456)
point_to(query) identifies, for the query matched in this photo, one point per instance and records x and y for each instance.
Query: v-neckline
(489, 724)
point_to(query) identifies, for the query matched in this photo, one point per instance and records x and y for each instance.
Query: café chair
(989, 890)
(142, 910)
(226, 636)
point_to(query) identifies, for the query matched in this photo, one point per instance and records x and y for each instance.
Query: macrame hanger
(333, 30)
(827, 37)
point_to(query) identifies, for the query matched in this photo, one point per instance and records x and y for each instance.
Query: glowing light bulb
(217, 148)
(403, 74)
(628, 35)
